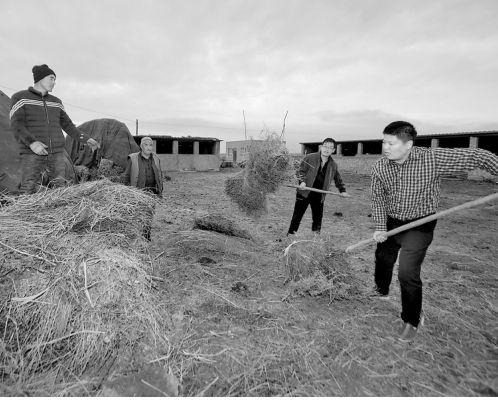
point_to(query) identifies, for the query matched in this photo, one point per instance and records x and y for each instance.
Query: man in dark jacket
(144, 169)
(317, 171)
(37, 119)
(144, 172)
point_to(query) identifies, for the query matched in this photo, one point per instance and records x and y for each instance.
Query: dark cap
(40, 72)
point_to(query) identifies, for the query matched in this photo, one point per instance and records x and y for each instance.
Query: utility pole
(136, 127)
(245, 128)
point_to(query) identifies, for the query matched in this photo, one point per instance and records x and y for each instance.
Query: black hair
(328, 140)
(403, 130)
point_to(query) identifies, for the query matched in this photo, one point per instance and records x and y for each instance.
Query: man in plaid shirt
(405, 187)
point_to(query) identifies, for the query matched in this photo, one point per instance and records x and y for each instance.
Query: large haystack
(268, 166)
(78, 296)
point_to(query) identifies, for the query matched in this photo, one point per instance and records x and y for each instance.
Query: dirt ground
(237, 331)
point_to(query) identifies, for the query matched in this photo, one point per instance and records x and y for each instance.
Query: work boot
(407, 333)
(375, 293)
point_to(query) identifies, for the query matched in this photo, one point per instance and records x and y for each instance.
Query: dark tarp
(10, 165)
(116, 143)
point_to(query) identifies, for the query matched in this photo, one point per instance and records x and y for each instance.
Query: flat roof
(432, 135)
(183, 138)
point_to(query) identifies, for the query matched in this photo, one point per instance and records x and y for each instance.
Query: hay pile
(222, 224)
(268, 166)
(78, 294)
(316, 269)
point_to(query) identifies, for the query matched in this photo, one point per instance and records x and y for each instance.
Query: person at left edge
(37, 120)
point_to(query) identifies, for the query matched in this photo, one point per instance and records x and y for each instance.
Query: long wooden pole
(427, 219)
(315, 190)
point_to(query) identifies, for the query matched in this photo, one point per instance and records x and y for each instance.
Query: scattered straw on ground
(222, 224)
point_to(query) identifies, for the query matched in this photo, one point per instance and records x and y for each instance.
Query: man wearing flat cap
(37, 120)
(144, 172)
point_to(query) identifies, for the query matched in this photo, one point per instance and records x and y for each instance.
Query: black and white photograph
(249, 198)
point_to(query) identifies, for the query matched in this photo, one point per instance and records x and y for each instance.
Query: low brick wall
(358, 165)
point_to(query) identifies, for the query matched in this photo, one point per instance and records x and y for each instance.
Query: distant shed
(487, 140)
(186, 153)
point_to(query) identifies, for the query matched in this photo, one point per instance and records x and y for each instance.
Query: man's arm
(125, 176)
(379, 202)
(339, 184)
(303, 170)
(69, 127)
(451, 161)
(17, 123)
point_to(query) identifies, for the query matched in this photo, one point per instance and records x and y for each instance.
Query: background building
(487, 140)
(238, 151)
(358, 156)
(186, 153)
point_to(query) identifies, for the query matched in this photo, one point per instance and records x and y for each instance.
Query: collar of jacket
(415, 154)
(36, 92)
(318, 157)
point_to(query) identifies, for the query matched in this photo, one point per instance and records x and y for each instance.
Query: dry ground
(236, 331)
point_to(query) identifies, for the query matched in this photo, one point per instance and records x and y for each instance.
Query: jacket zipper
(48, 123)
(46, 111)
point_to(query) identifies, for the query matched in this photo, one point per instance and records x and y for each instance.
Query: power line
(142, 122)
(81, 107)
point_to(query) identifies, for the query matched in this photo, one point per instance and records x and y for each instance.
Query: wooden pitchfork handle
(315, 190)
(424, 220)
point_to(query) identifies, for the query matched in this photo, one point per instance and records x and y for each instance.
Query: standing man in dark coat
(317, 171)
(144, 169)
(144, 172)
(37, 120)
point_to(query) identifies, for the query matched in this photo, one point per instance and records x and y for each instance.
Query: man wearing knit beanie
(37, 119)
(40, 72)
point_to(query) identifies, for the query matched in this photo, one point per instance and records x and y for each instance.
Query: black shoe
(375, 293)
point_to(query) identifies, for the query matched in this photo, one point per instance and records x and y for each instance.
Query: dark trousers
(314, 200)
(412, 246)
(37, 168)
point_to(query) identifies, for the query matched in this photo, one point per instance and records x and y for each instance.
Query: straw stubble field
(239, 328)
(88, 308)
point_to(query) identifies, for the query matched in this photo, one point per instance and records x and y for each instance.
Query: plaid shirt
(411, 190)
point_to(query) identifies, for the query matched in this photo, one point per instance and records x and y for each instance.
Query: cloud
(339, 66)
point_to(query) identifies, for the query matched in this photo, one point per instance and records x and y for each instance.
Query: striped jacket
(37, 117)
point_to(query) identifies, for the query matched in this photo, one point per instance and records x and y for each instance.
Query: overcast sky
(340, 68)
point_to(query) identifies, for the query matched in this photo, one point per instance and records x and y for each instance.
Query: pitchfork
(424, 220)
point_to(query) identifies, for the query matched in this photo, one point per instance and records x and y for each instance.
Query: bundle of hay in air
(250, 200)
(317, 269)
(268, 166)
(79, 297)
